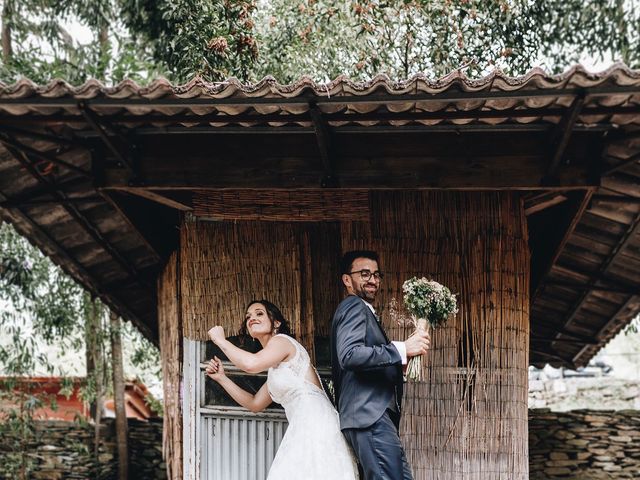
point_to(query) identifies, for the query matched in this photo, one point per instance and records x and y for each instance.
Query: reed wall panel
(282, 205)
(170, 333)
(468, 419)
(225, 265)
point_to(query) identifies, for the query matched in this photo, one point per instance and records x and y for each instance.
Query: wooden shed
(177, 204)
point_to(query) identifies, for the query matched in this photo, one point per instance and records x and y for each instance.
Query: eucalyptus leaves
(430, 305)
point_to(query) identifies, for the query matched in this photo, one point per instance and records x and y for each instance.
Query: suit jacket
(366, 367)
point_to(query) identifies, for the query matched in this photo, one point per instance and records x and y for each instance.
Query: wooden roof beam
(632, 301)
(50, 247)
(628, 236)
(624, 163)
(563, 133)
(551, 243)
(73, 212)
(616, 199)
(156, 197)
(57, 139)
(11, 142)
(11, 203)
(592, 286)
(323, 137)
(95, 123)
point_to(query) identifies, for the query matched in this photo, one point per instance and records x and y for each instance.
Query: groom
(367, 372)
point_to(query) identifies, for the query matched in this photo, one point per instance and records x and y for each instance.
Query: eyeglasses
(367, 274)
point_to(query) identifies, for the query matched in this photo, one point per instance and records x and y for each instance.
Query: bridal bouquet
(430, 305)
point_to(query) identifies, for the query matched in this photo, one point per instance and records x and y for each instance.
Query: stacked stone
(584, 444)
(64, 450)
(145, 449)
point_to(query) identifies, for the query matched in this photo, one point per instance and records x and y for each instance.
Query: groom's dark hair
(348, 258)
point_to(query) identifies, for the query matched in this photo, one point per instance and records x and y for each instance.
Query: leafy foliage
(40, 306)
(324, 38)
(213, 39)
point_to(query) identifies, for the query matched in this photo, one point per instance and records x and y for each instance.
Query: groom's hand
(417, 344)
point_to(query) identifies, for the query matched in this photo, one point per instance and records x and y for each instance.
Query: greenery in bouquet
(429, 303)
(429, 300)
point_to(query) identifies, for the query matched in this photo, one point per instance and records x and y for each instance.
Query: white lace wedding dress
(313, 447)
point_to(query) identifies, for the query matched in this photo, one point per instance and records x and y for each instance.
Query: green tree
(325, 38)
(39, 306)
(38, 45)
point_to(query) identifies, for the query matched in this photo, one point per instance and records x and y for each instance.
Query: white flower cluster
(428, 299)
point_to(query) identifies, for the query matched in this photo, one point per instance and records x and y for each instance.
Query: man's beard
(365, 295)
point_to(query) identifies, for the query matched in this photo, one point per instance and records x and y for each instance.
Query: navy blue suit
(367, 379)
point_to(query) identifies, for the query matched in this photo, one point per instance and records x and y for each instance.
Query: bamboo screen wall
(225, 265)
(468, 419)
(170, 349)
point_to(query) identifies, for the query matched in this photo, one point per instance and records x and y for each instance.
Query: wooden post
(118, 395)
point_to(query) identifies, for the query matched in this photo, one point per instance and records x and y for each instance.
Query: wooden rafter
(156, 197)
(630, 301)
(10, 142)
(573, 211)
(633, 229)
(73, 212)
(52, 248)
(323, 138)
(563, 134)
(95, 123)
(624, 163)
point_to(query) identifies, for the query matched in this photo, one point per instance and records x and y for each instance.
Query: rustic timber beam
(10, 142)
(12, 203)
(288, 170)
(155, 197)
(563, 133)
(590, 286)
(323, 138)
(19, 132)
(616, 199)
(535, 339)
(537, 203)
(624, 163)
(151, 222)
(95, 123)
(549, 244)
(557, 330)
(350, 129)
(631, 305)
(626, 238)
(73, 212)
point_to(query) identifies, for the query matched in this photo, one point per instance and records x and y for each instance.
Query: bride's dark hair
(274, 314)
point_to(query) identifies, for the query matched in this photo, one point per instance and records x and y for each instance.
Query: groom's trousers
(379, 450)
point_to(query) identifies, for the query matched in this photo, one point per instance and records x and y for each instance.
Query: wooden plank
(149, 194)
(388, 173)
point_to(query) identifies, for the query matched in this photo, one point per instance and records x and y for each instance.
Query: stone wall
(584, 444)
(577, 445)
(65, 450)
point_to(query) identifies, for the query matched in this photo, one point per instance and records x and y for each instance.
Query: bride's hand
(215, 369)
(216, 334)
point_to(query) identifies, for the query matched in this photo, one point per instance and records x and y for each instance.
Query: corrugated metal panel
(238, 447)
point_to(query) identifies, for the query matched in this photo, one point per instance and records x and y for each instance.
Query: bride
(313, 447)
